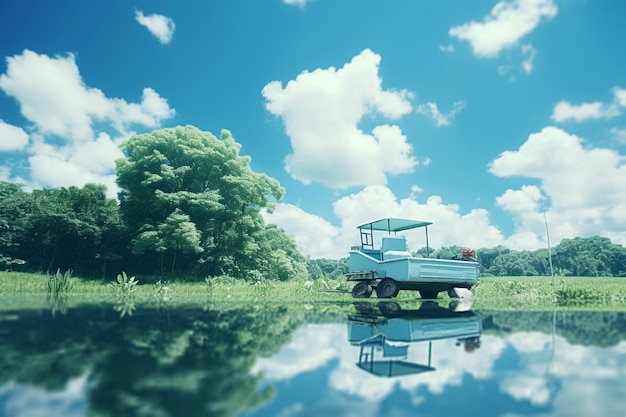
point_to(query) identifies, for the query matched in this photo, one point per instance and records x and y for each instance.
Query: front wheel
(387, 288)
(362, 290)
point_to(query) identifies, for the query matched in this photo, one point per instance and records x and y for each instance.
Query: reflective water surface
(362, 359)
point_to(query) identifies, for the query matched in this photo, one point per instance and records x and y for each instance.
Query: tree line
(594, 256)
(190, 205)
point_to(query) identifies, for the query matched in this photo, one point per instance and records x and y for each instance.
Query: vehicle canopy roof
(393, 224)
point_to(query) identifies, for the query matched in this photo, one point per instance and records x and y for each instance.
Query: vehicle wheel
(387, 288)
(389, 308)
(452, 293)
(362, 290)
(364, 307)
(429, 294)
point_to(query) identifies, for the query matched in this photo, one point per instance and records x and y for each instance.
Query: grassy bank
(525, 293)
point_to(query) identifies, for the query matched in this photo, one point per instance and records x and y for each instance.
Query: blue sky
(479, 116)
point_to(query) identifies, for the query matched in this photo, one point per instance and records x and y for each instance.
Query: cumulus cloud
(565, 111)
(581, 186)
(507, 23)
(12, 138)
(64, 147)
(432, 111)
(315, 236)
(162, 27)
(451, 227)
(321, 111)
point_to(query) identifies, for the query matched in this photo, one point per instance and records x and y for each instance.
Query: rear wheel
(387, 288)
(362, 290)
(428, 294)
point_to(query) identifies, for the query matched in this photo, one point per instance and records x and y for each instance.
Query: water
(361, 360)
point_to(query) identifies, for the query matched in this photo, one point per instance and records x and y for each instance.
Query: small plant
(211, 283)
(263, 288)
(125, 287)
(160, 291)
(59, 285)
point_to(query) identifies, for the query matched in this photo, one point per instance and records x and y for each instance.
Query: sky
(489, 119)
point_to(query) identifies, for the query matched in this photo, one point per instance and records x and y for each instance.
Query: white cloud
(526, 199)
(318, 238)
(620, 96)
(53, 96)
(63, 110)
(531, 54)
(162, 27)
(299, 3)
(619, 135)
(12, 138)
(450, 226)
(321, 111)
(446, 48)
(431, 110)
(507, 23)
(21, 400)
(316, 339)
(564, 110)
(584, 187)
(314, 236)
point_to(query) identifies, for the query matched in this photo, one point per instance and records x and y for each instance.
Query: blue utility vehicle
(392, 268)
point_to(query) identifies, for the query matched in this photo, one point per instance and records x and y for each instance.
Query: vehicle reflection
(385, 331)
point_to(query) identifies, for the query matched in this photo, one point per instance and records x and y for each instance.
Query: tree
(14, 206)
(71, 228)
(593, 256)
(192, 173)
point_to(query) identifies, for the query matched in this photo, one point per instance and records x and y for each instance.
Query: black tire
(362, 290)
(389, 308)
(428, 294)
(364, 307)
(452, 293)
(387, 288)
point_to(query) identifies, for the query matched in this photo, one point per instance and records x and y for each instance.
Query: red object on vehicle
(468, 253)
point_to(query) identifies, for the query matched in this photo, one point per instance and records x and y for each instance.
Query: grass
(501, 293)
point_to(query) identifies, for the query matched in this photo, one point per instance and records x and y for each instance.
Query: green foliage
(124, 289)
(188, 195)
(67, 228)
(58, 287)
(331, 268)
(58, 284)
(593, 256)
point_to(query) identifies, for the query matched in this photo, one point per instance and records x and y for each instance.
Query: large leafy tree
(186, 177)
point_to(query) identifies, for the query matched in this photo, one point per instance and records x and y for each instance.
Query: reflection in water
(385, 338)
(292, 360)
(179, 362)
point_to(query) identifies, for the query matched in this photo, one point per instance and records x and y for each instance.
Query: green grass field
(518, 293)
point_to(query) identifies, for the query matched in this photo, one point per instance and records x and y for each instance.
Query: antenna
(549, 248)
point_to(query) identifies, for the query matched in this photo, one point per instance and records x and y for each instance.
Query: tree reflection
(182, 362)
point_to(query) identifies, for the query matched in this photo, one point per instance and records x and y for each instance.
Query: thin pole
(427, 246)
(549, 247)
